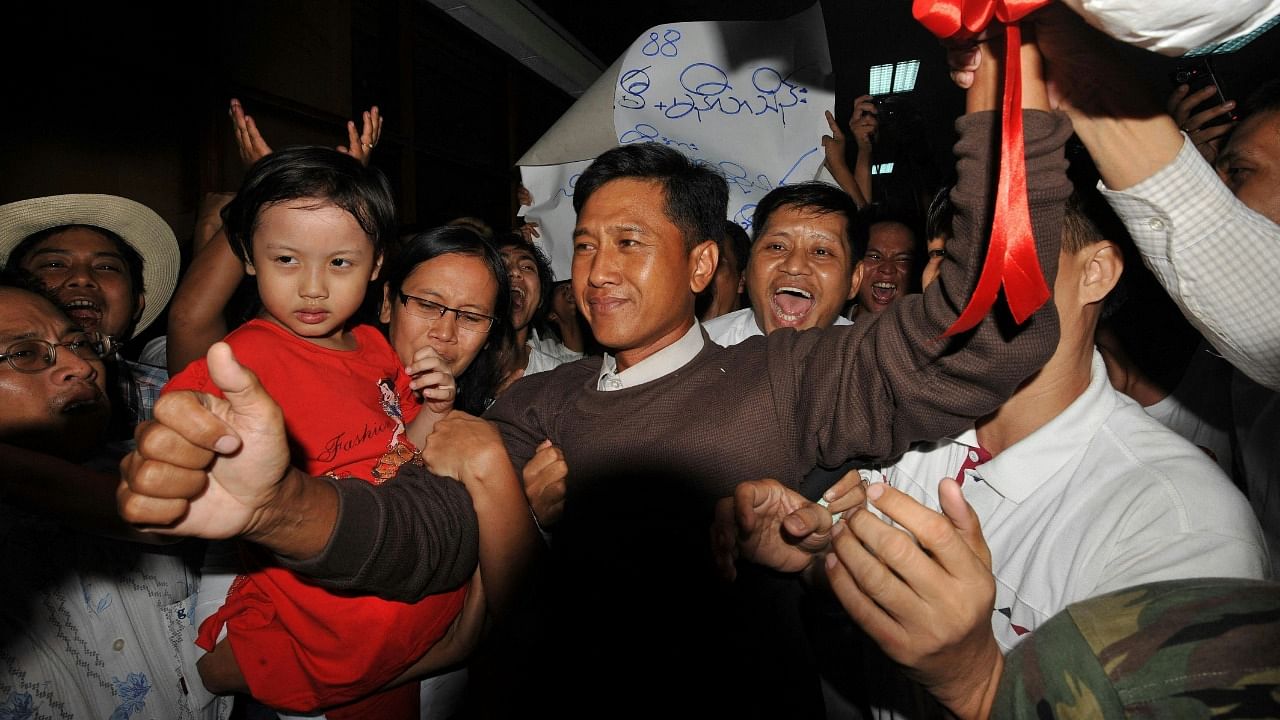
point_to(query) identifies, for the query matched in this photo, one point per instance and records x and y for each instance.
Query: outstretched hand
(774, 526)
(207, 466)
(927, 605)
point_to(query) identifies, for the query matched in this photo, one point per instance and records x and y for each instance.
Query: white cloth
(1101, 497)
(662, 363)
(95, 628)
(547, 354)
(1216, 258)
(1173, 27)
(1199, 408)
(732, 328)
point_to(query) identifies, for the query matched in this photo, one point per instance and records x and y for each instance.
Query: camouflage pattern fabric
(1179, 649)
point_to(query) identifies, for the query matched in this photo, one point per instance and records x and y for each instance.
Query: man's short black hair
(873, 215)
(321, 173)
(817, 197)
(937, 221)
(16, 278)
(132, 258)
(1266, 98)
(696, 198)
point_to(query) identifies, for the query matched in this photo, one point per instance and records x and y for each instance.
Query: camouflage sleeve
(1182, 648)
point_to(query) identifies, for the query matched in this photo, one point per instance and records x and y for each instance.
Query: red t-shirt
(299, 646)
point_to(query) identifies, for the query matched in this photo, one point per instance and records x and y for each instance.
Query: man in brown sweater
(652, 434)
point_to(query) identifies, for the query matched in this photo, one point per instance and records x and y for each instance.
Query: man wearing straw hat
(112, 264)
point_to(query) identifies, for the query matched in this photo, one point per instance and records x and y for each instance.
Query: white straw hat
(137, 224)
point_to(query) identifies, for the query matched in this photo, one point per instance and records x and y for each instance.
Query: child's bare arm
(470, 450)
(195, 315)
(458, 643)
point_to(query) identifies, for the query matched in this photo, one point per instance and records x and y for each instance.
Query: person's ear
(855, 280)
(384, 312)
(1103, 265)
(140, 304)
(248, 268)
(377, 266)
(703, 261)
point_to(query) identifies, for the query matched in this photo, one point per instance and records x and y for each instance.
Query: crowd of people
(366, 474)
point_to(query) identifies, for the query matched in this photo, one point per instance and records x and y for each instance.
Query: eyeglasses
(33, 356)
(428, 310)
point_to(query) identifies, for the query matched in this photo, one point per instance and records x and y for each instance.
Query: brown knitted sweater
(644, 461)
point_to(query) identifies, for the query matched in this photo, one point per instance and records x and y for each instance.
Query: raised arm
(873, 389)
(1182, 218)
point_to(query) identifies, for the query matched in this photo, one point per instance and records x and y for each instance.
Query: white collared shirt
(1100, 498)
(547, 354)
(662, 363)
(732, 328)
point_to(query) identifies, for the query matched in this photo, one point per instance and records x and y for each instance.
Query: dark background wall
(131, 98)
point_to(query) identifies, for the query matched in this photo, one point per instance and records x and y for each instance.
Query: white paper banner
(746, 98)
(552, 189)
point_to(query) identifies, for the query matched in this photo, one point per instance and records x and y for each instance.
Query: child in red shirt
(308, 223)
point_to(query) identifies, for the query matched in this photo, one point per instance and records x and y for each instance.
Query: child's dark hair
(324, 174)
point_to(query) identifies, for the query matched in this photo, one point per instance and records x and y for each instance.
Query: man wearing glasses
(86, 618)
(111, 265)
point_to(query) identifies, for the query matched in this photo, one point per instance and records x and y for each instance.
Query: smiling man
(888, 264)
(653, 433)
(111, 263)
(801, 271)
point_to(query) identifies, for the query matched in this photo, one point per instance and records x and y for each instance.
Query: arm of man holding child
(219, 468)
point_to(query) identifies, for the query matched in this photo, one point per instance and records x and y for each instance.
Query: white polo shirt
(732, 328)
(1100, 498)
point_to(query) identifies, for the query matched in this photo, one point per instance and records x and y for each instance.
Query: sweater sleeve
(871, 390)
(414, 535)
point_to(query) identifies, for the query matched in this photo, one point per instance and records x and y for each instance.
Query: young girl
(309, 224)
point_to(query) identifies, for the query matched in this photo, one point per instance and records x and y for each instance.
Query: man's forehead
(781, 220)
(1252, 135)
(25, 314)
(516, 252)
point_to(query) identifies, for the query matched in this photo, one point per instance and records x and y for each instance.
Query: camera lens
(1183, 76)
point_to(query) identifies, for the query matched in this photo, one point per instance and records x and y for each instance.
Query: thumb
(965, 520)
(238, 383)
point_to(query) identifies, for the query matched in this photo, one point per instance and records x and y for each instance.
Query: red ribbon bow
(1011, 256)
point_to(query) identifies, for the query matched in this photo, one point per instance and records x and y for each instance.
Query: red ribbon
(1011, 255)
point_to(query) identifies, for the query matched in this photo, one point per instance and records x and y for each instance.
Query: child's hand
(432, 380)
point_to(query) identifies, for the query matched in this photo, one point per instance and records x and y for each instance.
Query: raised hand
(1206, 136)
(250, 142)
(864, 122)
(833, 145)
(360, 145)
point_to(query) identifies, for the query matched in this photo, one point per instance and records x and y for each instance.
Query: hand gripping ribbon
(1011, 255)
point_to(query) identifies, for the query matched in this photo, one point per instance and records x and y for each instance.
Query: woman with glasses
(442, 292)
